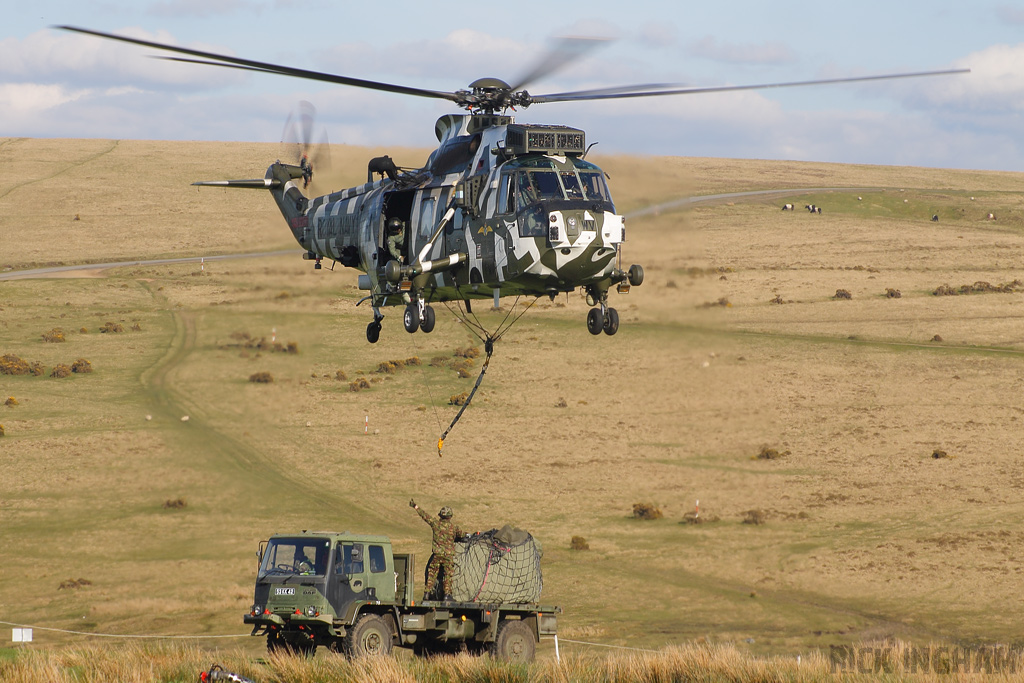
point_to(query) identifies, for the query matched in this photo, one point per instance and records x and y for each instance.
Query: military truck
(352, 594)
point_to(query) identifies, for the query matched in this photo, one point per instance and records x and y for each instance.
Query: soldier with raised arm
(442, 549)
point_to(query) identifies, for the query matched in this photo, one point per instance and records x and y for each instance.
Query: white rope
(616, 647)
(116, 635)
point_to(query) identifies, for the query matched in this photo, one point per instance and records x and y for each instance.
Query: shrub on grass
(81, 366)
(340, 376)
(11, 401)
(755, 517)
(458, 399)
(468, 352)
(767, 453)
(14, 365)
(359, 384)
(60, 370)
(463, 367)
(111, 327)
(646, 511)
(54, 336)
(842, 294)
(578, 543)
(261, 377)
(176, 504)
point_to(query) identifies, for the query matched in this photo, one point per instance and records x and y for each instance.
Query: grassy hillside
(734, 343)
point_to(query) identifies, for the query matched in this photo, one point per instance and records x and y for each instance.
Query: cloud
(58, 57)
(995, 84)
(25, 100)
(768, 52)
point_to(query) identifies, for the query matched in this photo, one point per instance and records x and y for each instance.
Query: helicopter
(499, 209)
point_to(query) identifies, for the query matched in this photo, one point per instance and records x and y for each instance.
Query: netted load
(498, 566)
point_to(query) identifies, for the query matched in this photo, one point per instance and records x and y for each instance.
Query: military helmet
(394, 224)
(445, 513)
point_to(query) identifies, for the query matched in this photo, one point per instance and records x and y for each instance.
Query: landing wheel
(514, 643)
(373, 332)
(611, 322)
(412, 318)
(427, 324)
(370, 637)
(595, 321)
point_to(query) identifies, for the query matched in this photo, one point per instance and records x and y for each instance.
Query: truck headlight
(311, 611)
(257, 609)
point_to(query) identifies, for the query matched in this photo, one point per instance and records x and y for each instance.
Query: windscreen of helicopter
(533, 191)
(295, 557)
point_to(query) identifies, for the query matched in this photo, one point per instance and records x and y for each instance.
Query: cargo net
(498, 566)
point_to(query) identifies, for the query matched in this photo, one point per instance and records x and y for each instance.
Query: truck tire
(370, 637)
(515, 643)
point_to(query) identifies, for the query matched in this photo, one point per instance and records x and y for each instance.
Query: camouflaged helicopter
(500, 208)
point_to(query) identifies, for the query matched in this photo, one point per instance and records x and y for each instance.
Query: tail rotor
(303, 144)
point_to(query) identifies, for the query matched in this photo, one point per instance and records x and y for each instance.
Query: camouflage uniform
(396, 240)
(442, 549)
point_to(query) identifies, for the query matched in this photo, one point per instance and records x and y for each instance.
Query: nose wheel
(603, 319)
(373, 329)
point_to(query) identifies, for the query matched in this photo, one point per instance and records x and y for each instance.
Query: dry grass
(894, 660)
(665, 420)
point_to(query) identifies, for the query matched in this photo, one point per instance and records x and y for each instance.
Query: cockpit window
(540, 179)
(596, 187)
(571, 183)
(295, 557)
(546, 184)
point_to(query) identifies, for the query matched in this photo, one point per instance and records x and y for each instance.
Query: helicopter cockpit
(532, 187)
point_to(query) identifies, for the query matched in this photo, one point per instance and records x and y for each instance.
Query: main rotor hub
(491, 95)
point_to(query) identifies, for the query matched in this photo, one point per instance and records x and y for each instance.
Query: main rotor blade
(252, 65)
(565, 51)
(679, 89)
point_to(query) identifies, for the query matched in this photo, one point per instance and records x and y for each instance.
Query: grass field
(866, 537)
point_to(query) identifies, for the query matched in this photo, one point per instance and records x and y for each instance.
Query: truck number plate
(284, 591)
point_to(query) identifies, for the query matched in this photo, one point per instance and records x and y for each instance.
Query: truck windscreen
(295, 557)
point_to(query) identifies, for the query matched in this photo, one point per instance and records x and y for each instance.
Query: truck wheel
(515, 643)
(370, 637)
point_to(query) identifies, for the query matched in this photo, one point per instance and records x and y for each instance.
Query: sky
(56, 84)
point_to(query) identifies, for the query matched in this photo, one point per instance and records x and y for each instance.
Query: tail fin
(290, 200)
